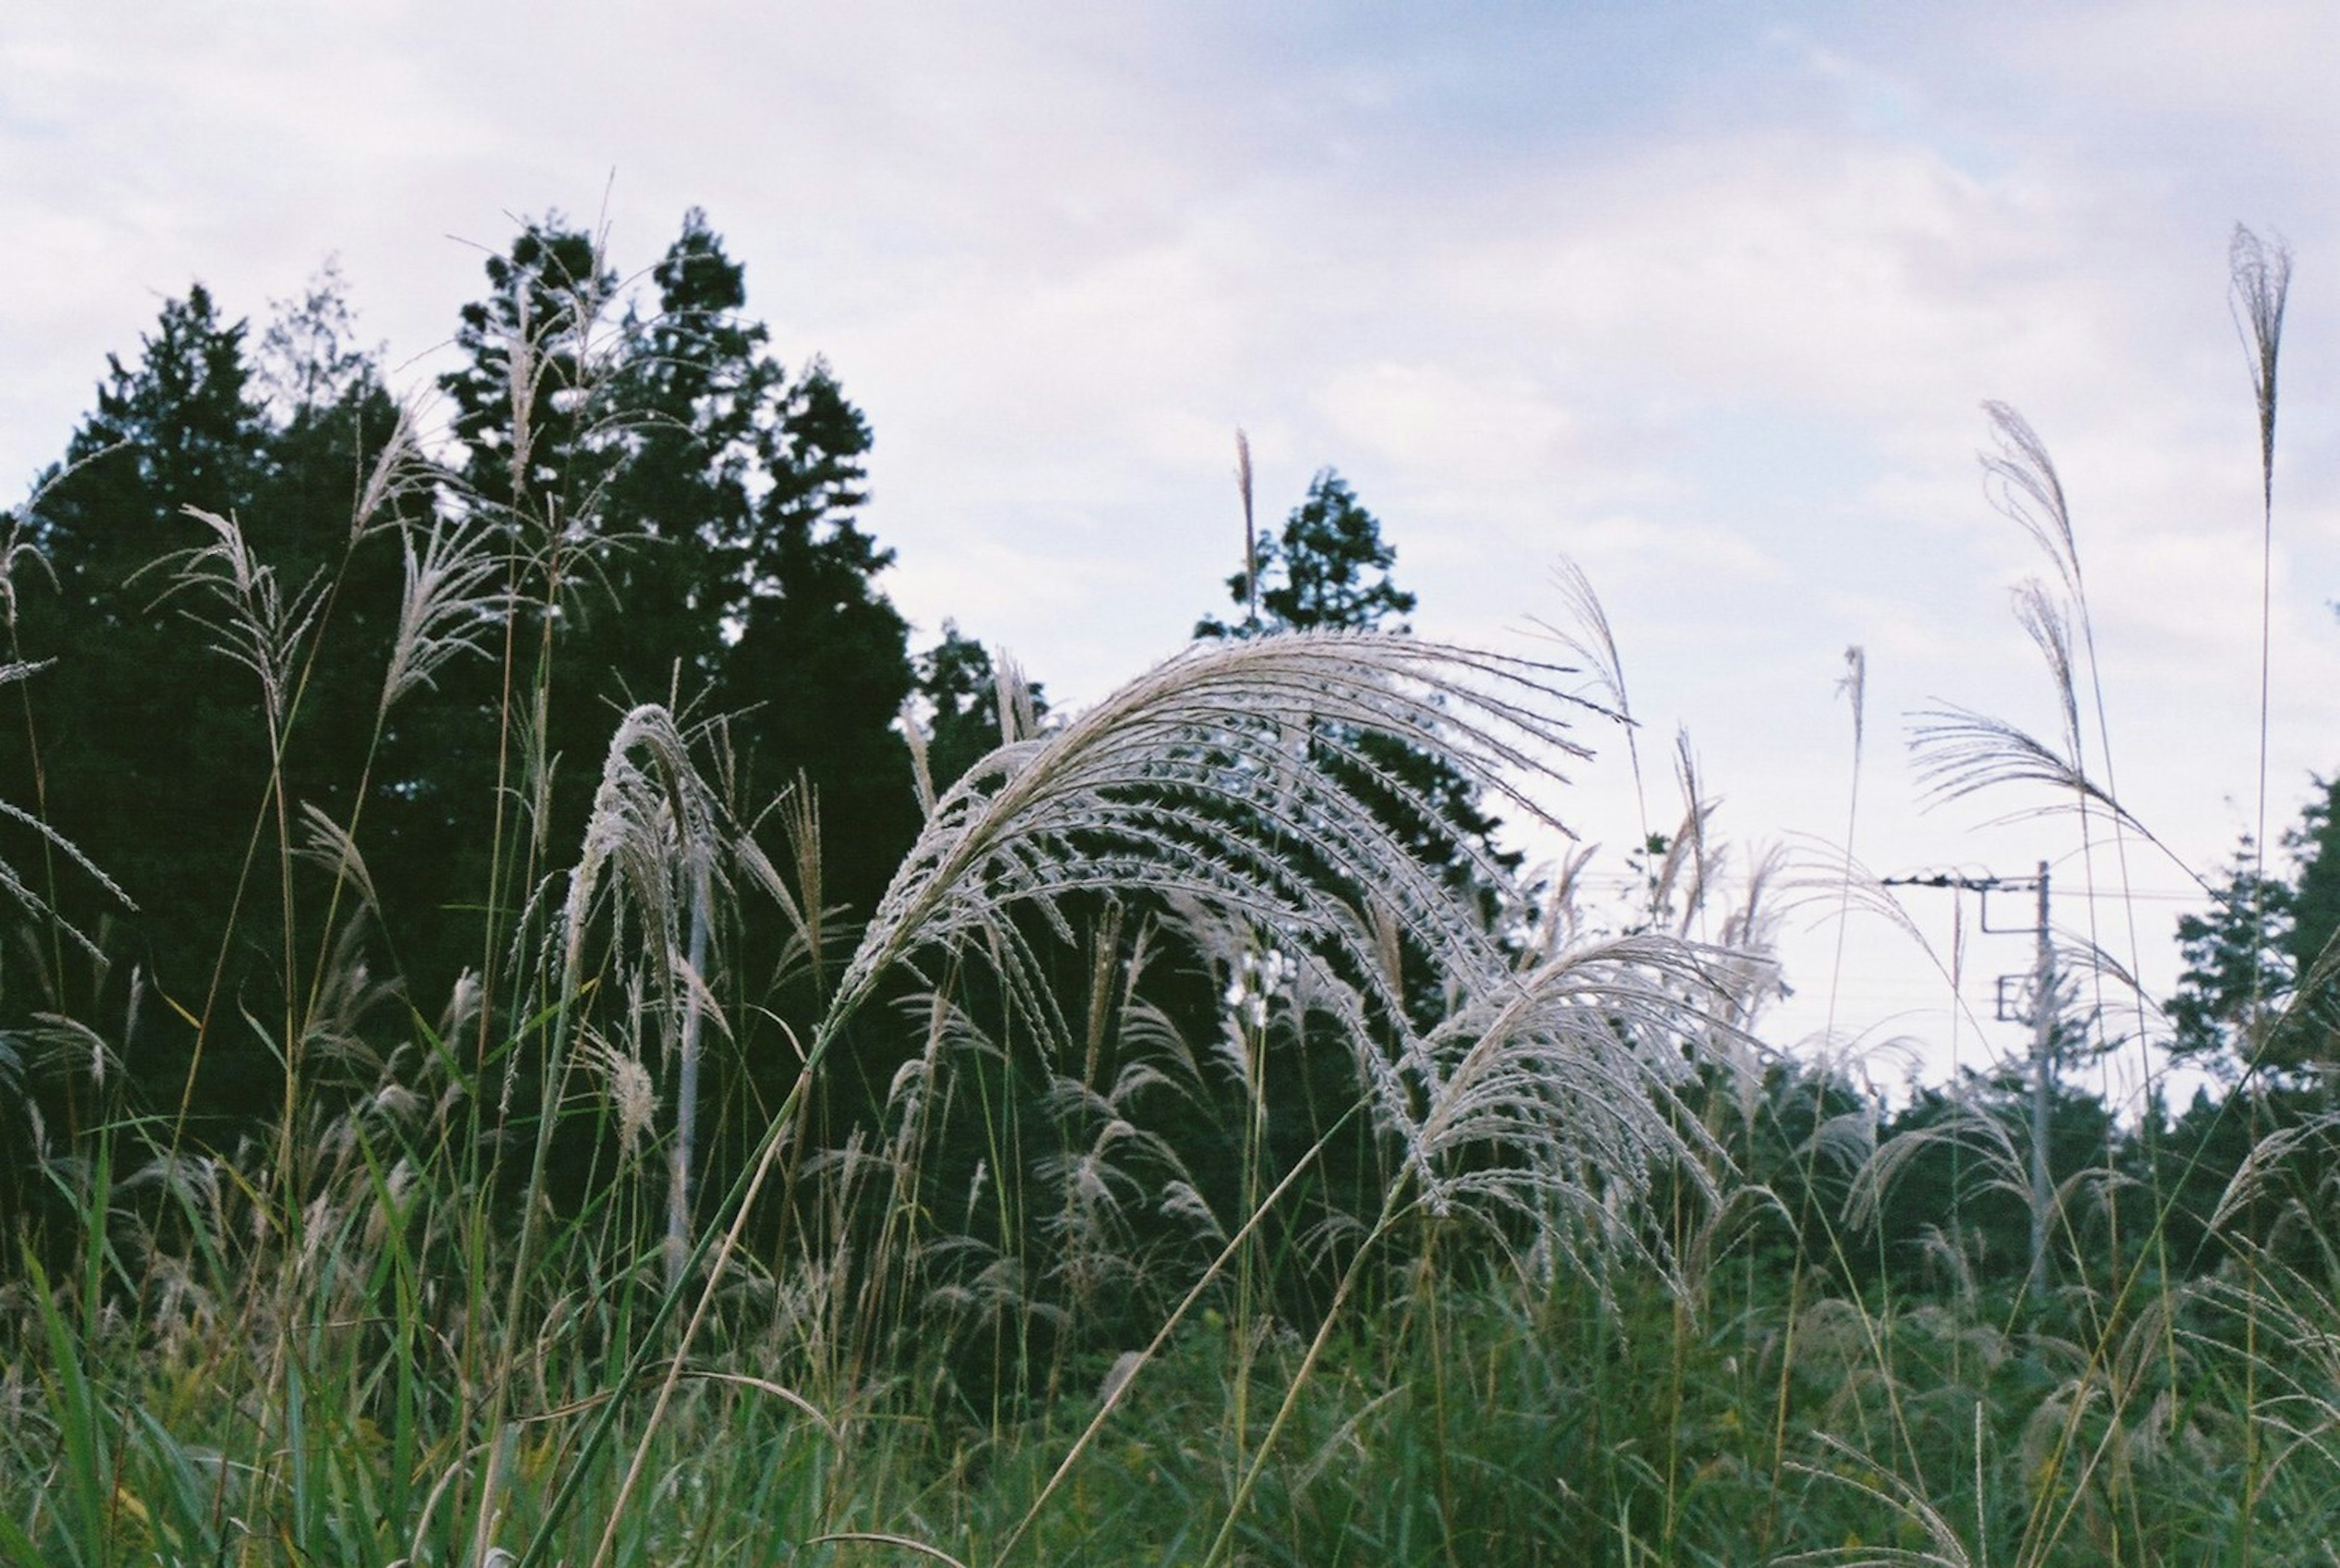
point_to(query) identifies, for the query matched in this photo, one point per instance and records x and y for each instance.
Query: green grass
(1233, 1193)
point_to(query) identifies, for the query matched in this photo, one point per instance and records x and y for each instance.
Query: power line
(2042, 1019)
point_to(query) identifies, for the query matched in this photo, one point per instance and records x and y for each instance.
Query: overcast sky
(1704, 297)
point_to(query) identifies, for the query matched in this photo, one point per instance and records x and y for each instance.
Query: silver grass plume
(327, 845)
(1586, 634)
(451, 603)
(400, 470)
(251, 619)
(1197, 778)
(656, 823)
(2021, 482)
(1250, 532)
(18, 550)
(2261, 274)
(1960, 753)
(1570, 1069)
(1218, 775)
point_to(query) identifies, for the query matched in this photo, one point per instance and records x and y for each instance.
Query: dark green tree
(821, 666)
(2238, 976)
(685, 514)
(1329, 570)
(958, 683)
(2259, 986)
(696, 390)
(143, 742)
(149, 753)
(330, 417)
(2313, 843)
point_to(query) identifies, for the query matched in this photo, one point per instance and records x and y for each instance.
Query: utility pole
(2042, 1069)
(2042, 1019)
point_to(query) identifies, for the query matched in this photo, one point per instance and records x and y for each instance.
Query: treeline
(307, 821)
(681, 524)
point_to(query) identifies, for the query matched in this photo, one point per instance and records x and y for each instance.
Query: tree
(1329, 570)
(688, 510)
(1316, 574)
(693, 395)
(527, 403)
(2259, 987)
(958, 683)
(678, 514)
(821, 666)
(330, 418)
(2313, 843)
(162, 792)
(2238, 976)
(168, 791)
(310, 357)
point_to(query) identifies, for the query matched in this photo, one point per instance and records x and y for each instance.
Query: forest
(538, 1025)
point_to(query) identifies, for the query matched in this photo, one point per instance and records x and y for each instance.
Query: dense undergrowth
(1173, 1165)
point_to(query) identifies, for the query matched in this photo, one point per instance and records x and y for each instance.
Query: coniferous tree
(2315, 911)
(1329, 570)
(330, 416)
(695, 388)
(529, 401)
(690, 507)
(678, 511)
(958, 683)
(2258, 986)
(821, 667)
(148, 743)
(148, 749)
(2237, 976)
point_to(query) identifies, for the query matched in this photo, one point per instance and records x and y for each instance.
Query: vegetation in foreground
(490, 1079)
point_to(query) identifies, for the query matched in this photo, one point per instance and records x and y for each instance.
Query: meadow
(1202, 1150)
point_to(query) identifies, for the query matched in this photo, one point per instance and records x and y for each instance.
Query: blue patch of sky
(1802, 488)
(22, 120)
(1520, 72)
(1403, 88)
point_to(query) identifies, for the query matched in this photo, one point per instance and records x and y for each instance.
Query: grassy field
(1230, 1185)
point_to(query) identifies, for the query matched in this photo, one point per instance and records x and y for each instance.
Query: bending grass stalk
(2260, 285)
(1235, 1243)
(1391, 1211)
(1944, 1548)
(880, 1538)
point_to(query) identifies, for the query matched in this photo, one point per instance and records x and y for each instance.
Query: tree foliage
(2258, 985)
(148, 734)
(1329, 570)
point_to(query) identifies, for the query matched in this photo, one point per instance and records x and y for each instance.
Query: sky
(1704, 299)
